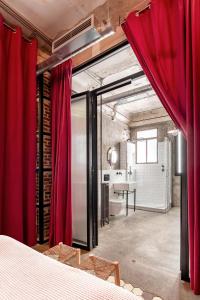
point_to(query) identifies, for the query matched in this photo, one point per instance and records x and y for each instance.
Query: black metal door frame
(184, 236)
(94, 162)
(184, 243)
(91, 169)
(184, 247)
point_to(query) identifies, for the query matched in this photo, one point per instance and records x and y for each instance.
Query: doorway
(146, 238)
(120, 87)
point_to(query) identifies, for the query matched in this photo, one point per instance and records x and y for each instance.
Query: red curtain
(166, 41)
(17, 135)
(61, 207)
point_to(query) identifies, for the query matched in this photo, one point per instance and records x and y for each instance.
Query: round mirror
(112, 156)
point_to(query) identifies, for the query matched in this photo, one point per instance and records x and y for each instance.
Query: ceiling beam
(154, 120)
(128, 94)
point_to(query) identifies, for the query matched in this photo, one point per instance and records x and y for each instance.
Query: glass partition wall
(115, 84)
(83, 165)
(79, 170)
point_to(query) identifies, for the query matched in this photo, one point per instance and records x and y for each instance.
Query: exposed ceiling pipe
(114, 112)
(141, 97)
(121, 97)
(122, 102)
(93, 76)
(115, 115)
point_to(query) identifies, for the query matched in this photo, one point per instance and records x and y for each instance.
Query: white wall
(151, 182)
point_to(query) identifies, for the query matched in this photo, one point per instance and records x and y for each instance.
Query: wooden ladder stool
(101, 267)
(64, 253)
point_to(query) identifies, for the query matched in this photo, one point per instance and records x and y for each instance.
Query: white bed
(27, 274)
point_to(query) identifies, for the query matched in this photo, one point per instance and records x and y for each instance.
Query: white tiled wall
(151, 182)
(114, 178)
(114, 175)
(152, 189)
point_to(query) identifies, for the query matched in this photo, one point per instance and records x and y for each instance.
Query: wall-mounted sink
(124, 186)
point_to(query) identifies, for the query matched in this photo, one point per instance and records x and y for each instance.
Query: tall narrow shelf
(43, 168)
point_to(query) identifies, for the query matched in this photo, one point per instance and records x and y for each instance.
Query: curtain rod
(137, 12)
(14, 30)
(148, 6)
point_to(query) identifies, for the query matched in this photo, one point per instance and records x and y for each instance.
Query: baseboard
(151, 209)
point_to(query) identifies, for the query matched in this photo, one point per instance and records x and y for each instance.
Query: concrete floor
(147, 244)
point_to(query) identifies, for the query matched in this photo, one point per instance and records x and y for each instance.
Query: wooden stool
(101, 267)
(64, 253)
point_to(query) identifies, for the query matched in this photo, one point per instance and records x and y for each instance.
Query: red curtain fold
(166, 41)
(18, 60)
(61, 206)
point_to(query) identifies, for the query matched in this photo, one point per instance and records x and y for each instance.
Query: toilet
(116, 206)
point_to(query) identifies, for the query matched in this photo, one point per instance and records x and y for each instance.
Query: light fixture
(173, 132)
(112, 156)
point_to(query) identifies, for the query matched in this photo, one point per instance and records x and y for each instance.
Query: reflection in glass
(141, 152)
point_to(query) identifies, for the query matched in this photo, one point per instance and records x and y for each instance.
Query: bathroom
(138, 188)
(135, 164)
(133, 188)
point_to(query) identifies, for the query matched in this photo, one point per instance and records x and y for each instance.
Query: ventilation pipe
(75, 41)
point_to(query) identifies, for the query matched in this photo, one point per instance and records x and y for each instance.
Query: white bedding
(26, 274)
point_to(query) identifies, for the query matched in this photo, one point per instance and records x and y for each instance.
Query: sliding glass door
(83, 166)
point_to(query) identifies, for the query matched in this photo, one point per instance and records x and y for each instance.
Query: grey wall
(163, 128)
(113, 133)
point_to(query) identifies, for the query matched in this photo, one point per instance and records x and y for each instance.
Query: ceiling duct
(74, 41)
